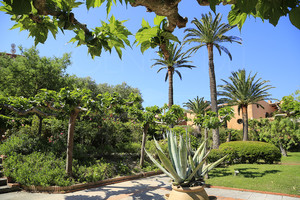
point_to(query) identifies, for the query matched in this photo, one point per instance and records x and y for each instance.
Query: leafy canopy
(39, 17)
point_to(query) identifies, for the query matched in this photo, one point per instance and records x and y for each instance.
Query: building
(254, 112)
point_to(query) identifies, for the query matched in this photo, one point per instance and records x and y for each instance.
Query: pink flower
(50, 140)
(90, 119)
(22, 124)
(13, 120)
(61, 133)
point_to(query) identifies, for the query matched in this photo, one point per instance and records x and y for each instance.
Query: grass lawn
(292, 158)
(263, 177)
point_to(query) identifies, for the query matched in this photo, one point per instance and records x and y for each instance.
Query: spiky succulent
(183, 168)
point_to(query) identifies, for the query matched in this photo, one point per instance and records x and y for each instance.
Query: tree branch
(27, 111)
(168, 8)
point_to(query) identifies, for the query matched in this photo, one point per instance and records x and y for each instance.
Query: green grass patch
(292, 158)
(271, 178)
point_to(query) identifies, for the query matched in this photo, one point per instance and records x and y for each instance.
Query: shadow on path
(113, 192)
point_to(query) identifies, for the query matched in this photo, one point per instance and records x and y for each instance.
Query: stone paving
(151, 188)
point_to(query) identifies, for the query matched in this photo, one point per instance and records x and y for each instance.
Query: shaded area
(136, 191)
(246, 172)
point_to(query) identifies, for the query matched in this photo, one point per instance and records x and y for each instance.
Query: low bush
(99, 171)
(214, 155)
(249, 151)
(21, 144)
(36, 169)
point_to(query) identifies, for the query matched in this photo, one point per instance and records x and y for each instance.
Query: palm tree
(210, 32)
(242, 91)
(198, 106)
(175, 60)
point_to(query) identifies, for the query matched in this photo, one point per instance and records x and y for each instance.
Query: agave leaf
(170, 135)
(157, 145)
(199, 149)
(168, 165)
(175, 154)
(197, 168)
(159, 166)
(212, 165)
(183, 157)
(192, 164)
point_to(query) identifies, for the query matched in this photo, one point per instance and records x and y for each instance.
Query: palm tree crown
(197, 105)
(176, 59)
(243, 90)
(210, 31)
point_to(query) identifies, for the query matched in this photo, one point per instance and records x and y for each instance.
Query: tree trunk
(40, 125)
(245, 122)
(70, 144)
(205, 139)
(170, 73)
(199, 131)
(206, 149)
(213, 93)
(229, 137)
(145, 131)
(282, 150)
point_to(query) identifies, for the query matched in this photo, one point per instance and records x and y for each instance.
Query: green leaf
(236, 17)
(158, 19)
(20, 7)
(170, 36)
(94, 3)
(146, 35)
(212, 5)
(108, 6)
(145, 24)
(145, 45)
(294, 16)
(168, 165)
(246, 6)
(159, 166)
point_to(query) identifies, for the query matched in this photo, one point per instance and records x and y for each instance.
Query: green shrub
(132, 147)
(99, 171)
(249, 151)
(214, 155)
(36, 169)
(21, 144)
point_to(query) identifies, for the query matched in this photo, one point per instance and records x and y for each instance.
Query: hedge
(246, 152)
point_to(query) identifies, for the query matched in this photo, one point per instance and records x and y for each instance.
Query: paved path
(151, 188)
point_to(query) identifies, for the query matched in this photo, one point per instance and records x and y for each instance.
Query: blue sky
(272, 52)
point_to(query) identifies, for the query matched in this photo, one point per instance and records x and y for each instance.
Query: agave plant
(183, 168)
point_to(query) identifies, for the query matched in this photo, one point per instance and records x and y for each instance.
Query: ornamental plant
(185, 167)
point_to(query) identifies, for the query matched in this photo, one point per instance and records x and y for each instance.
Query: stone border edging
(82, 186)
(257, 191)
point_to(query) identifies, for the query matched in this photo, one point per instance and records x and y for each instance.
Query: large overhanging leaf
(294, 16)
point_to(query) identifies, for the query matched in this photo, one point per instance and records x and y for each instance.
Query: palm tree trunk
(70, 142)
(245, 122)
(170, 73)
(145, 130)
(213, 93)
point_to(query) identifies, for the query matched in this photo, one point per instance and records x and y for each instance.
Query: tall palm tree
(210, 32)
(243, 90)
(176, 59)
(198, 106)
